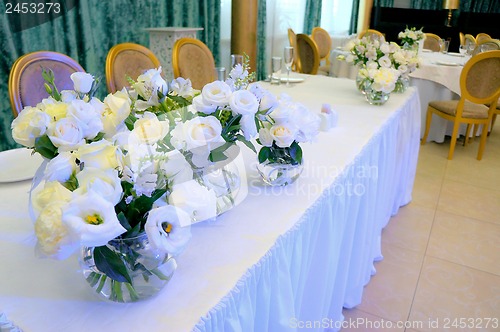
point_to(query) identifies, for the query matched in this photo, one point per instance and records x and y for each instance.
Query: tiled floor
(441, 264)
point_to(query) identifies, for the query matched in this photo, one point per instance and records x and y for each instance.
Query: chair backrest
(432, 42)
(127, 60)
(486, 45)
(372, 34)
(292, 39)
(308, 54)
(482, 37)
(469, 40)
(324, 42)
(480, 78)
(26, 84)
(461, 35)
(192, 59)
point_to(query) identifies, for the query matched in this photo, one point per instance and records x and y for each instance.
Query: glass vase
(362, 83)
(374, 97)
(402, 84)
(149, 270)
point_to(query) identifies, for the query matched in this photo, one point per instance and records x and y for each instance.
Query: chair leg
(428, 120)
(467, 133)
(492, 124)
(453, 141)
(482, 143)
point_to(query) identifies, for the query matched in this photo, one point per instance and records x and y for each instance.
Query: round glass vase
(149, 270)
(362, 83)
(374, 97)
(279, 174)
(402, 84)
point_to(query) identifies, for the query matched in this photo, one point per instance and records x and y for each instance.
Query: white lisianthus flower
(87, 116)
(92, 219)
(176, 168)
(385, 62)
(268, 102)
(149, 83)
(105, 182)
(216, 93)
(182, 87)
(168, 229)
(306, 122)
(101, 154)
(66, 134)
(385, 79)
(198, 201)
(244, 102)
(30, 124)
(149, 129)
(385, 48)
(202, 107)
(282, 113)
(61, 167)
(82, 82)
(257, 90)
(116, 109)
(67, 96)
(54, 238)
(403, 69)
(248, 126)
(349, 58)
(283, 134)
(372, 65)
(265, 137)
(53, 191)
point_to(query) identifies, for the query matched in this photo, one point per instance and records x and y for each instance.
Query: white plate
(292, 79)
(425, 50)
(455, 54)
(445, 63)
(18, 165)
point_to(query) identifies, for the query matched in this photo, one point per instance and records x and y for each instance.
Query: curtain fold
(354, 17)
(386, 3)
(312, 17)
(87, 31)
(261, 40)
(470, 6)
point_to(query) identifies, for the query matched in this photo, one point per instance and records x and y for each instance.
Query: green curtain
(261, 40)
(385, 3)
(89, 30)
(354, 17)
(473, 6)
(312, 17)
(426, 4)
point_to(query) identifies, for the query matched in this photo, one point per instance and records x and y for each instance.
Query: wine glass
(288, 59)
(462, 49)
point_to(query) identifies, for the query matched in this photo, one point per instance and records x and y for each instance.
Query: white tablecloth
(283, 255)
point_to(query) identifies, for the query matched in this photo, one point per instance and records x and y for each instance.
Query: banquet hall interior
(417, 250)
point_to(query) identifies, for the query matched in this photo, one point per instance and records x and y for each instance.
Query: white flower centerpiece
(377, 75)
(412, 39)
(125, 177)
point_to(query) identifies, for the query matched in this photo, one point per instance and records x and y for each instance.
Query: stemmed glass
(288, 59)
(462, 49)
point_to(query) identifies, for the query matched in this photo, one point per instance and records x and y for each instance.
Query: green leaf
(216, 156)
(264, 154)
(249, 144)
(296, 152)
(110, 263)
(44, 146)
(123, 221)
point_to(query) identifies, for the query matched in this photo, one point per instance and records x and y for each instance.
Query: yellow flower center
(167, 227)
(94, 219)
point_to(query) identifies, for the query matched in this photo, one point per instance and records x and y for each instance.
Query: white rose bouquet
(411, 36)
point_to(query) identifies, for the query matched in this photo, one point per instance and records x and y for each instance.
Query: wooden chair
(470, 42)
(480, 37)
(127, 60)
(479, 85)
(432, 42)
(26, 84)
(486, 45)
(461, 36)
(372, 34)
(292, 39)
(308, 54)
(192, 59)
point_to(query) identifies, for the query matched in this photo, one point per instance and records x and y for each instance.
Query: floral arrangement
(411, 36)
(134, 163)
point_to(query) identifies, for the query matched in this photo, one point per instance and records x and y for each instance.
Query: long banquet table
(283, 256)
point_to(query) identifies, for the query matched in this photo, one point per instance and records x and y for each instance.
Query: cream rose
(53, 191)
(66, 134)
(283, 134)
(216, 93)
(203, 131)
(116, 109)
(149, 129)
(101, 154)
(87, 116)
(30, 124)
(82, 82)
(244, 102)
(55, 109)
(200, 105)
(265, 137)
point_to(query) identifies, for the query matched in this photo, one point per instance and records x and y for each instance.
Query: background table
(300, 252)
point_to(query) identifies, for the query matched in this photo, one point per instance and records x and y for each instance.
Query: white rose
(248, 126)
(385, 62)
(283, 134)
(168, 229)
(216, 93)
(244, 102)
(92, 219)
(55, 109)
(268, 102)
(66, 134)
(265, 137)
(30, 124)
(203, 131)
(87, 116)
(200, 105)
(54, 238)
(176, 168)
(149, 129)
(82, 81)
(199, 202)
(53, 191)
(101, 154)
(61, 167)
(106, 183)
(116, 109)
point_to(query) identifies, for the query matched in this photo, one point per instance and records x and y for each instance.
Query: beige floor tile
(389, 293)
(426, 190)
(466, 241)
(358, 320)
(410, 228)
(432, 160)
(447, 291)
(470, 201)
